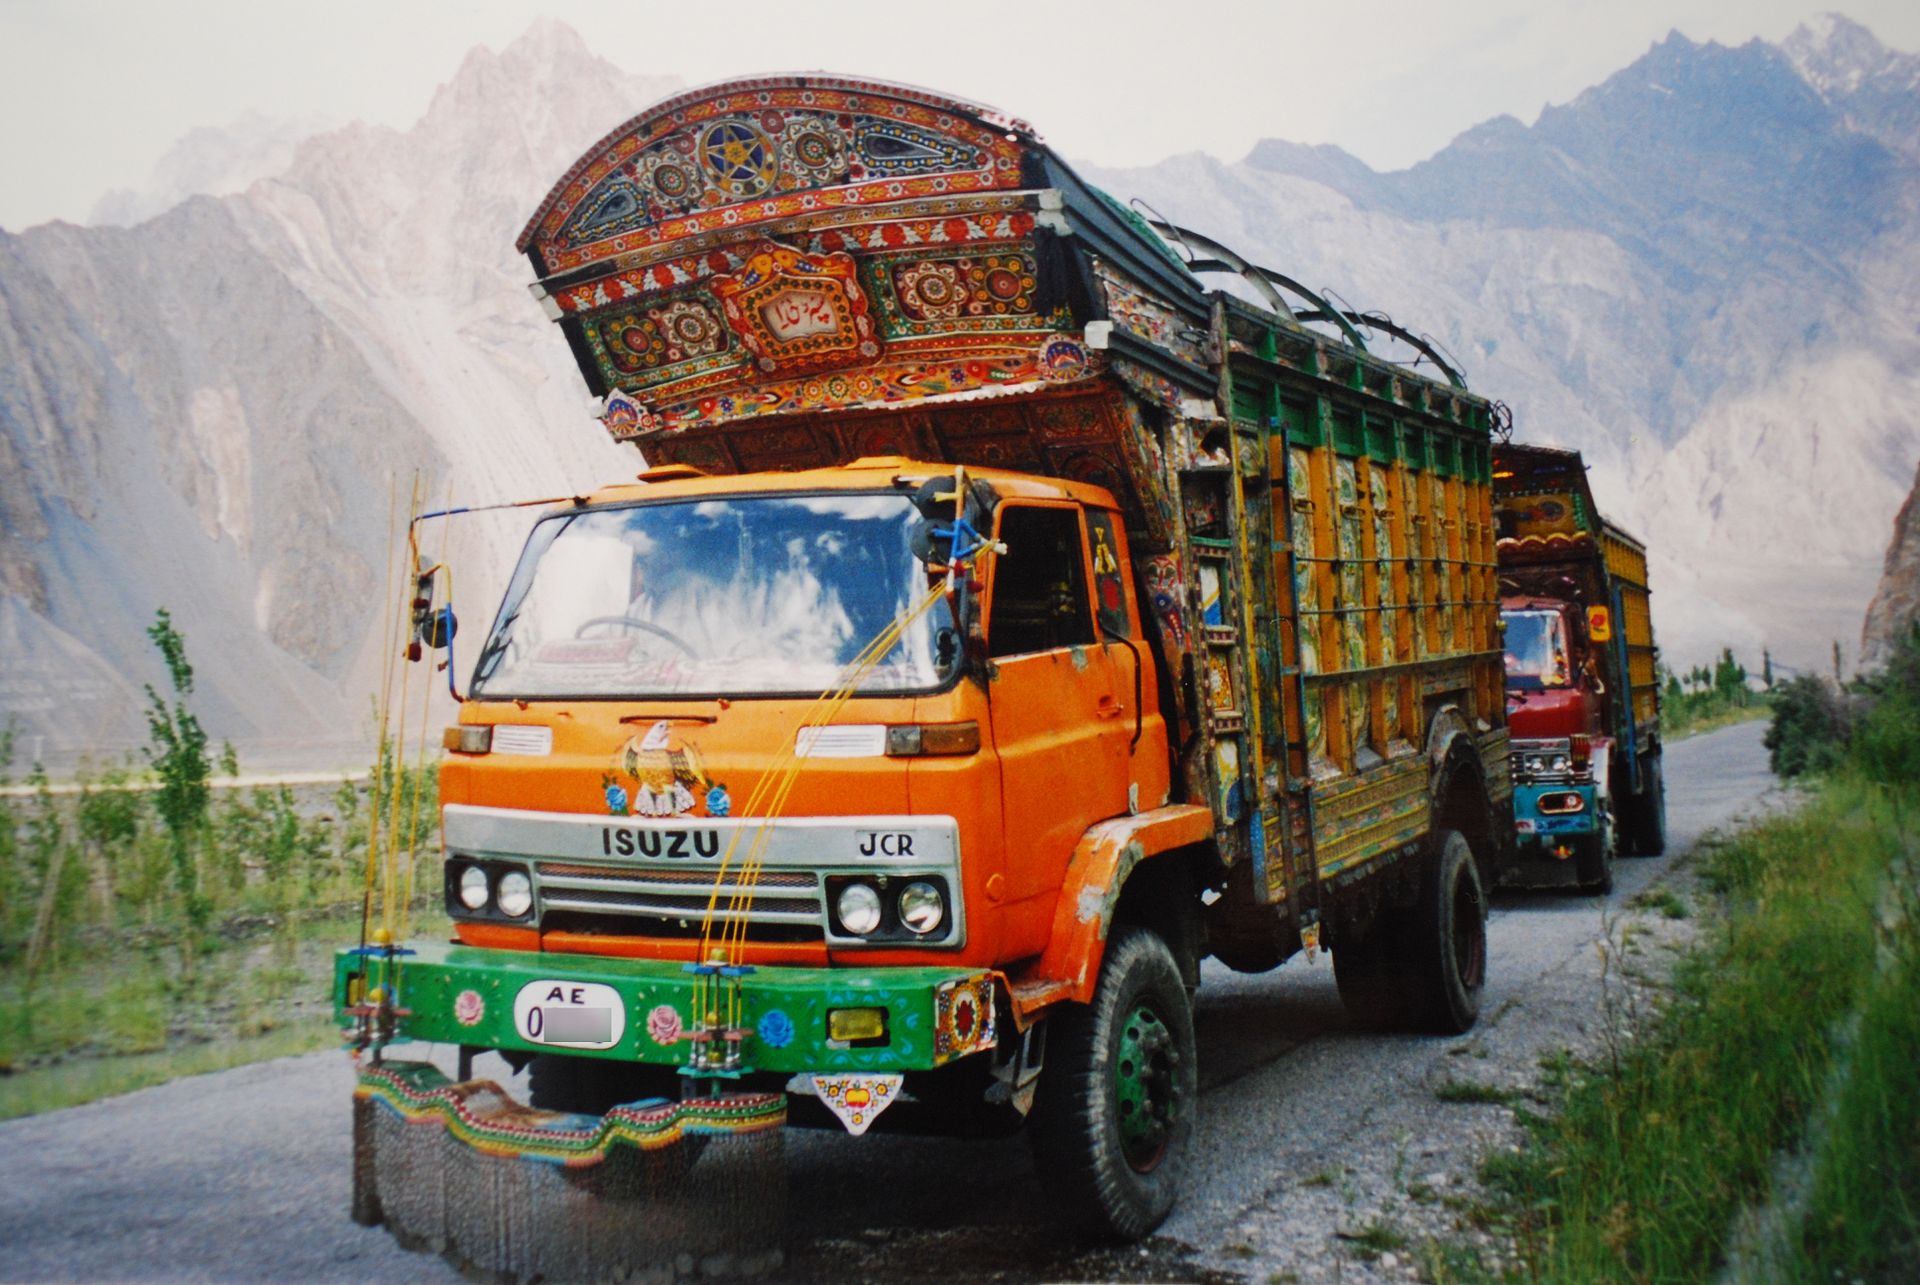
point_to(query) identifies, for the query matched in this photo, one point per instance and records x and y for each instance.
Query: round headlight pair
(922, 908)
(474, 888)
(513, 896)
(858, 908)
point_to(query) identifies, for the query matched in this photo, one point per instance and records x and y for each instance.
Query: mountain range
(1701, 272)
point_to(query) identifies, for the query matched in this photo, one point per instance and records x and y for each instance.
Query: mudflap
(505, 1192)
(1538, 869)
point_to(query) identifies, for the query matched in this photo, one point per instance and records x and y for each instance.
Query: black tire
(1370, 972)
(1649, 827)
(1446, 951)
(594, 1086)
(1593, 864)
(1112, 1125)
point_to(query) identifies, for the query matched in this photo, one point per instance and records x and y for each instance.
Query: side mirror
(438, 629)
(932, 536)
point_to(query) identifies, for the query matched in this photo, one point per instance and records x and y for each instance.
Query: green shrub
(1810, 726)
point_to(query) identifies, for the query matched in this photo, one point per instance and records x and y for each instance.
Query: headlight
(1561, 763)
(473, 888)
(515, 897)
(858, 908)
(922, 908)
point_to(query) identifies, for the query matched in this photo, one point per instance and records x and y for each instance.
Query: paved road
(243, 1175)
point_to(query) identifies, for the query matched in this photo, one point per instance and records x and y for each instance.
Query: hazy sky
(93, 92)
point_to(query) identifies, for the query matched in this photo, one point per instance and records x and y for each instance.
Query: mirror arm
(1139, 699)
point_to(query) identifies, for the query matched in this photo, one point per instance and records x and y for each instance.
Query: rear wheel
(1648, 821)
(1447, 947)
(1113, 1122)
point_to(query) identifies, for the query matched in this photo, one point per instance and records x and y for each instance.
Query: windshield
(739, 596)
(1536, 649)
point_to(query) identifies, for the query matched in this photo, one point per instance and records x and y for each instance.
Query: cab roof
(870, 473)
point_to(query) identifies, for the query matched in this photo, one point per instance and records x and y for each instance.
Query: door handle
(1108, 707)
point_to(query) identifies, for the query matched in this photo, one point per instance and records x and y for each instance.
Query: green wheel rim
(1146, 1088)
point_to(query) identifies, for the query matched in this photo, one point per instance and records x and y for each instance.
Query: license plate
(580, 1015)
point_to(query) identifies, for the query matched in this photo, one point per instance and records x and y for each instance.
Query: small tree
(1810, 726)
(178, 752)
(108, 819)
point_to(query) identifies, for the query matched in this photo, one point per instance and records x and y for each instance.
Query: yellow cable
(380, 717)
(420, 759)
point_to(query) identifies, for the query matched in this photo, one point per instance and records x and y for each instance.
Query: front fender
(1103, 859)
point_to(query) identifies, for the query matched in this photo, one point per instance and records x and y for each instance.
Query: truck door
(1061, 707)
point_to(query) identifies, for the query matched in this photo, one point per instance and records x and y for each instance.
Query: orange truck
(1005, 621)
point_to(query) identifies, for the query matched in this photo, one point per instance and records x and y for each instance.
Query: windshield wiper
(496, 648)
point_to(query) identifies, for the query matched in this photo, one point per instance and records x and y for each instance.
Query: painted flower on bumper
(776, 1029)
(663, 1024)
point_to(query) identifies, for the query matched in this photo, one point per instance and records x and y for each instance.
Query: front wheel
(1593, 859)
(1113, 1123)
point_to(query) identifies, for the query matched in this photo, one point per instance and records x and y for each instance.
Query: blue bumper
(1537, 828)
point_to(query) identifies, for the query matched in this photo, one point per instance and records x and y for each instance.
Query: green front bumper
(451, 994)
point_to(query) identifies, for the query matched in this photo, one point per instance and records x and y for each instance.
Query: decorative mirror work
(801, 244)
(782, 144)
(798, 312)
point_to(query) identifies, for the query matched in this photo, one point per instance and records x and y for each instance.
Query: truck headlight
(515, 895)
(858, 909)
(922, 908)
(473, 888)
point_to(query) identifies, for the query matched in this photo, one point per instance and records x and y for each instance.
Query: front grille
(673, 901)
(684, 929)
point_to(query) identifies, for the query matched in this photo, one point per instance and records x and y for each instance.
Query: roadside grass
(1663, 899)
(121, 1014)
(1863, 1215)
(1688, 723)
(68, 1084)
(144, 937)
(1375, 1238)
(1471, 1091)
(1660, 1141)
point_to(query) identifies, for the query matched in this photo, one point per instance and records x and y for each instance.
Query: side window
(1039, 584)
(1109, 593)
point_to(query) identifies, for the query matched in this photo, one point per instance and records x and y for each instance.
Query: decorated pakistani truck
(1016, 606)
(1583, 698)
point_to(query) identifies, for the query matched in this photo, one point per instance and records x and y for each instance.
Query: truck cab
(1556, 702)
(659, 644)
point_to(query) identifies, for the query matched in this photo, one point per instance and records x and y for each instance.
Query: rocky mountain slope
(215, 410)
(1896, 602)
(1702, 272)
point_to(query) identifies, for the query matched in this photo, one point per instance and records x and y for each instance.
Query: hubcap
(1469, 934)
(1146, 1088)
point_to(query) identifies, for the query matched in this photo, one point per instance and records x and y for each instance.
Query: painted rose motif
(776, 1029)
(469, 1008)
(663, 1024)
